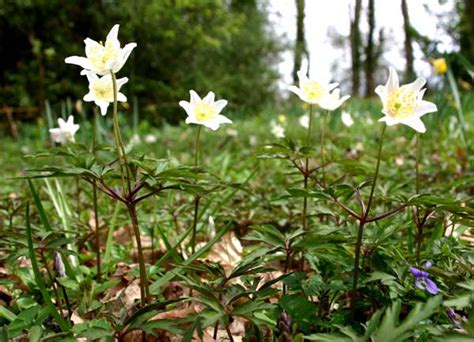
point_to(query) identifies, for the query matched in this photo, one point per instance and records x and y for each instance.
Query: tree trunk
(355, 48)
(469, 28)
(370, 61)
(300, 45)
(409, 71)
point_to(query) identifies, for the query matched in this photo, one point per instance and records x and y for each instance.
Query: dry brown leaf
(227, 252)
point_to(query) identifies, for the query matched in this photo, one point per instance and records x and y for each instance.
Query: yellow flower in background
(404, 104)
(440, 66)
(102, 58)
(282, 119)
(205, 111)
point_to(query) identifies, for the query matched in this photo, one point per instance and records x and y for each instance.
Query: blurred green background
(228, 46)
(225, 46)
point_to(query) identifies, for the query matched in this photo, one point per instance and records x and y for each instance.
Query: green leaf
(391, 330)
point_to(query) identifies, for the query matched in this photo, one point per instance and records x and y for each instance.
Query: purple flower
(423, 282)
(457, 319)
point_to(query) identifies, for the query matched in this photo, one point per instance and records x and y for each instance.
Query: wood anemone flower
(316, 92)
(65, 132)
(103, 58)
(101, 90)
(404, 104)
(205, 111)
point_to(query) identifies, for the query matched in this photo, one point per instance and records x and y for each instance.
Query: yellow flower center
(401, 103)
(103, 89)
(98, 56)
(204, 111)
(313, 91)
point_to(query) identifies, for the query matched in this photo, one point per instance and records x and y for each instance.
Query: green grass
(254, 195)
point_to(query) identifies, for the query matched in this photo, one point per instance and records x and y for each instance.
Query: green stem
(197, 198)
(144, 289)
(97, 231)
(419, 225)
(306, 170)
(417, 163)
(377, 167)
(323, 131)
(362, 223)
(117, 135)
(196, 147)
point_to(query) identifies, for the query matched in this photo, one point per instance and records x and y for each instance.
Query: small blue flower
(423, 282)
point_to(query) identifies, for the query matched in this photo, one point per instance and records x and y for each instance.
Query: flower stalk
(323, 124)
(306, 170)
(197, 198)
(144, 289)
(117, 136)
(363, 221)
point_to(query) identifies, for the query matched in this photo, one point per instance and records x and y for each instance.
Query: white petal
(192, 120)
(110, 64)
(187, 107)
(88, 97)
(221, 119)
(61, 123)
(219, 105)
(417, 84)
(103, 105)
(209, 99)
(392, 83)
(414, 123)
(344, 98)
(70, 120)
(92, 47)
(74, 129)
(295, 90)
(214, 124)
(425, 107)
(125, 53)
(121, 97)
(389, 120)
(302, 77)
(81, 61)
(194, 97)
(381, 91)
(112, 36)
(331, 86)
(91, 76)
(121, 82)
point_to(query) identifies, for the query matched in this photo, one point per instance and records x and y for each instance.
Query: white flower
(317, 92)
(135, 140)
(404, 104)
(304, 120)
(101, 59)
(253, 140)
(205, 112)
(333, 100)
(101, 90)
(150, 139)
(346, 119)
(277, 130)
(231, 132)
(65, 132)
